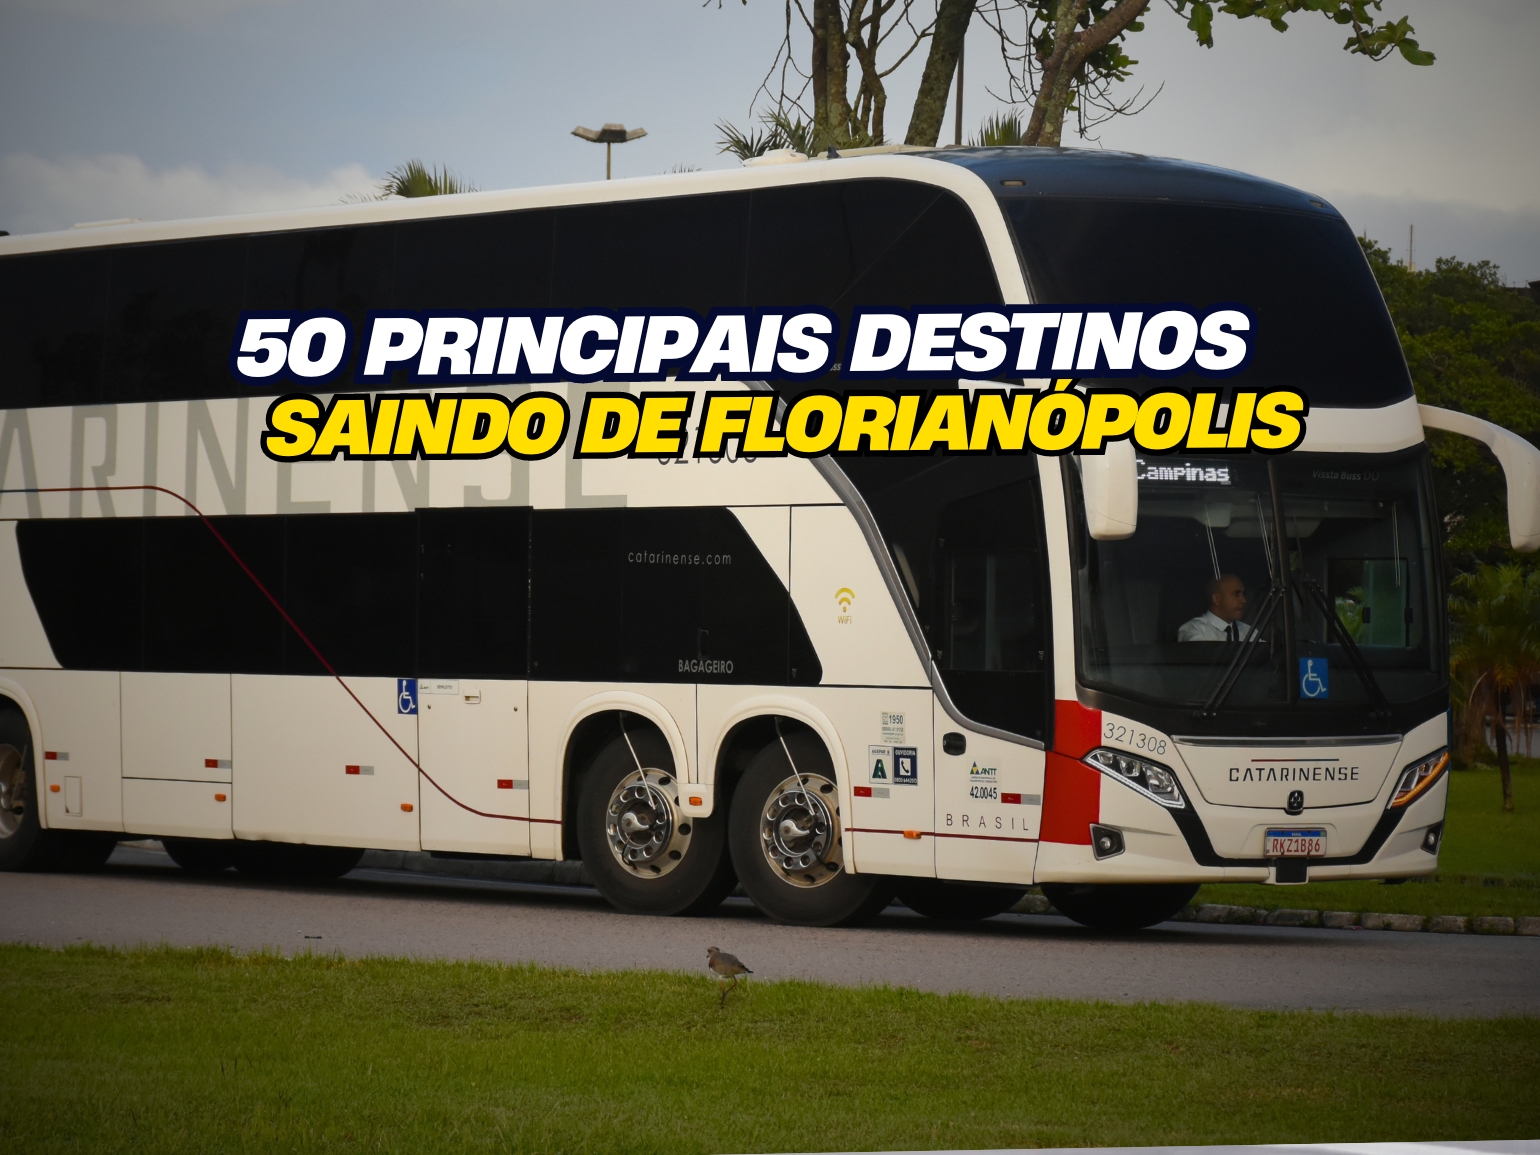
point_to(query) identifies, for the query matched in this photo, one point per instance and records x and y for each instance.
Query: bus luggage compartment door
(473, 736)
(176, 754)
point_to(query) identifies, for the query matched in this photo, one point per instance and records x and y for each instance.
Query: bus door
(473, 735)
(988, 803)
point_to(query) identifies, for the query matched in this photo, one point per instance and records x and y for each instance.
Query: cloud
(1509, 239)
(140, 11)
(39, 194)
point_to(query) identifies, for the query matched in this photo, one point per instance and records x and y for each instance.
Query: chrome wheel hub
(646, 833)
(13, 791)
(799, 830)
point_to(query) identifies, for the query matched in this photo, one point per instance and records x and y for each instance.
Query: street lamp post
(609, 136)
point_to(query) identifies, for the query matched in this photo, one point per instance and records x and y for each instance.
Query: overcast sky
(172, 108)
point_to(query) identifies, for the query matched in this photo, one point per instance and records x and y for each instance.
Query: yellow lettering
(1201, 434)
(868, 416)
(1280, 411)
(661, 432)
(758, 439)
(1069, 407)
(292, 434)
(609, 426)
(346, 428)
(536, 426)
(1241, 409)
(946, 421)
(428, 427)
(991, 420)
(475, 437)
(1148, 435)
(1108, 417)
(725, 414)
(384, 426)
(830, 414)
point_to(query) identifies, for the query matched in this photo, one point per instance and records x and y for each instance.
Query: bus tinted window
(351, 585)
(667, 595)
(966, 536)
(170, 312)
(201, 613)
(85, 576)
(686, 252)
(498, 261)
(346, 270)
(1322, 325)
(474, 593)
(52, 309)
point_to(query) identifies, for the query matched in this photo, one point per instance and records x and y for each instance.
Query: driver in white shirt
(1222, 621)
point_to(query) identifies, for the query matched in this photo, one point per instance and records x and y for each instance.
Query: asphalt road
(142, 899)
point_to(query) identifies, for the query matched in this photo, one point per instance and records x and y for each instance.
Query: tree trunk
(820, 63)
(952, 19)
(1502, 757)
(837, 124)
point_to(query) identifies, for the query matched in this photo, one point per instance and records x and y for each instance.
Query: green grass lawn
(1480, 843)
(200, 1051)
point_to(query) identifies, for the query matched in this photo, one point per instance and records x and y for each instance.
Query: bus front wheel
(24, 844)
(291, 862)
(787, 839)
(1119, 906)
(642, 853)
(201, 855)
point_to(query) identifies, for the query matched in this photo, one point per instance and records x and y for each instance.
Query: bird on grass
(725, 966)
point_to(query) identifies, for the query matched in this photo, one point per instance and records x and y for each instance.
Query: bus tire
(642, 854)
(201, 855)
(1120, 905)
(291, 862)
(956, 901)
(24, 844)
(787, 840)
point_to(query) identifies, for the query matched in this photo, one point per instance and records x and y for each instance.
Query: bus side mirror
(1521, 467)
(1110, 483)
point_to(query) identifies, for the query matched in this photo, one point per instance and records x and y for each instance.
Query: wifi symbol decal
(844, 597)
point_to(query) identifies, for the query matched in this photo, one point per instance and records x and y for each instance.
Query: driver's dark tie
(1230, 632)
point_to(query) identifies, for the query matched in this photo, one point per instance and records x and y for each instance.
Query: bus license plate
(1295, 844)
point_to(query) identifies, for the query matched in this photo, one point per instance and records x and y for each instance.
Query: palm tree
(415, 179)
(1496, 650)
(1001, 128)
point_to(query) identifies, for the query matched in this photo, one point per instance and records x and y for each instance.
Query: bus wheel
(1119, 906)
(24, 844)
(201, 855)
(643, 855)
(290, 862)
(787, 839)
(958, 901)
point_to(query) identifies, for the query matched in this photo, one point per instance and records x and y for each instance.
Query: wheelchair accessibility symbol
(1314, 678)
(406, 695)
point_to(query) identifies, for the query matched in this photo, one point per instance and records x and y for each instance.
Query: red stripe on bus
(1072, 794)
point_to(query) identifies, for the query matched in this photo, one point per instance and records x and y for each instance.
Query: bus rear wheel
(24, 844)
(201, 855)
(957, 901)
(291, 862)
(787, 839)
(1119, 906)
(643, 854)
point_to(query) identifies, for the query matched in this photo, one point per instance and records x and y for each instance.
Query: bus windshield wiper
(1338, 631)
(1242, 654)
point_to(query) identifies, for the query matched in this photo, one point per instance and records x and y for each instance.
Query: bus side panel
(176, 809)
(989, 806)
(22, 640)
(312, 767)
(886, 732)
(176, 726)
(475, 745)
(80, 761)
(845, 605)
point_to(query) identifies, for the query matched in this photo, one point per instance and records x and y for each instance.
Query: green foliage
(415, 179)
(201, 1050)
(1371, 39)
(779, 131)
(1003, 128)
(1473, 345)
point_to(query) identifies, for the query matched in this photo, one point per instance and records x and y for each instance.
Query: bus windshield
(1197, 607)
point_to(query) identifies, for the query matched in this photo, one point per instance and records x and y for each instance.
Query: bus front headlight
(1417, 778)
(1151, 779)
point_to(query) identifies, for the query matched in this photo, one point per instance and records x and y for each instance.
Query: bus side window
(473, 616)
(53, 307)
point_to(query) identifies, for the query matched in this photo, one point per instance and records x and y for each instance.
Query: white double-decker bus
(948, 676)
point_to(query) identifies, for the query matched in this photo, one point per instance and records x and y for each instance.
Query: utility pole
(961, 51)
(1411, 256)
(609, 136)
